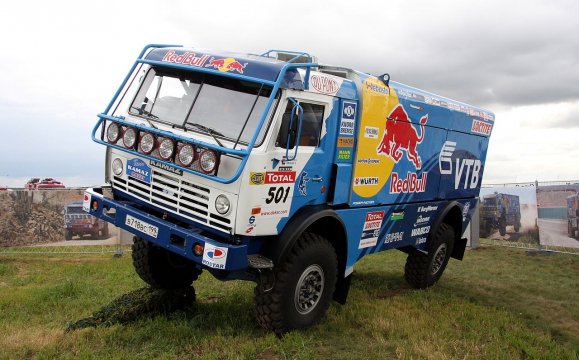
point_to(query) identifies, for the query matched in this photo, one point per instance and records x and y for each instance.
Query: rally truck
(78, 222)
(275, 169)
(573, 216)
(499, 211)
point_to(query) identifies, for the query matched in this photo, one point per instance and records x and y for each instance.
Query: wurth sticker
(214, 256)
(371, 229)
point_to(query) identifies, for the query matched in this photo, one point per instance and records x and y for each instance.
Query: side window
(312, 120)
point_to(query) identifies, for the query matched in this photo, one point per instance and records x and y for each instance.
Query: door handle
(317, 178)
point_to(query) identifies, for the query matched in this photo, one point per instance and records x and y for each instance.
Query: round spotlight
(207, 161)
(166, 149)
(222, 204)
(147, 143)
(113, 132)
(117, 167)
(129, 138)
(186, 155)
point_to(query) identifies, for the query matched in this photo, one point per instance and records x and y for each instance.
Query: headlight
(186, 155)
(113, 132)
(222, 204)
(147, 143)
(166, 149)
(117, 167)
(129, 138)
(207, 161)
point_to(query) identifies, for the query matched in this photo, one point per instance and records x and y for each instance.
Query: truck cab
(279, 170)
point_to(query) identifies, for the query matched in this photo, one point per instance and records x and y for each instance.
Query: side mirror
(290, 130)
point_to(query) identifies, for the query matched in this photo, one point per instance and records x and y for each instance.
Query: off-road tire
(419, 270)
(105, 233)
(502, 227)
(160, 268)
(67, 235)
(276, 297)
(517, 226)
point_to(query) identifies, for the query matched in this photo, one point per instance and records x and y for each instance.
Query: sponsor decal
(376, 88)
(186, 58)
(251, 220)
(272, 177)
(411, 184)
(421, 240)
(471, 168)
(416, 107)
(249, 229)
(166, 167)
(399, 134)
(481, 127)
(420, 231)
(465, 210)
(344, 154)
(285, 162)
(363, 181)
(346, 142)
(371, 229)
(349, 110)
(371, 132)
(86, 202)
(226, 65)
(256, 178)
(324, 84)
(278, 212)
(285, 168)
(214, 256)
(302, 185)
(421, 220)
(398, 215)
(428, 208)
(137, 169)
(445, 157)
(347, 127)
(394, 237)
(368, 161)
(365, 202)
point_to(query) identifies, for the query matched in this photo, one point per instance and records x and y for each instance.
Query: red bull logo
(401, 135)
(226, 64)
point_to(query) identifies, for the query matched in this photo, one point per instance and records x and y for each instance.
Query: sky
(63, 60)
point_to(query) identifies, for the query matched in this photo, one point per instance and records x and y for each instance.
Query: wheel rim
(309, 289)
(438, 259)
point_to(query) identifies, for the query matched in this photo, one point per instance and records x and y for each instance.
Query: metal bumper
(216, 255)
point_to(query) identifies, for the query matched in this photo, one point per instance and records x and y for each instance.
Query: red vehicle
(48, 183)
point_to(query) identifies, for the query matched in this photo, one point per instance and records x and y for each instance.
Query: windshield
(490, 201)
(223, 107)
(74, 210)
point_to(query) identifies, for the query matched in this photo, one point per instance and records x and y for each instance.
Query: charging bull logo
(401, 135)
(226, 65)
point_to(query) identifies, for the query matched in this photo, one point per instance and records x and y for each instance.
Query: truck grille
(175, 195)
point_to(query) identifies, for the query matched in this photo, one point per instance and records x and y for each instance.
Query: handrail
(296, 53)
(244, 154)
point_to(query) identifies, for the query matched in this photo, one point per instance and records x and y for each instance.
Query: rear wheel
(423, 270)
(299, 292)
(160, 268)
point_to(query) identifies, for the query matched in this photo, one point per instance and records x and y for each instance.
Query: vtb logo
(401, 135)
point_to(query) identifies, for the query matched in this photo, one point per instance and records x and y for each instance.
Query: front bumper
(177, 239)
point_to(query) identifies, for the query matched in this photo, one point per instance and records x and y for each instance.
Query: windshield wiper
(147, 115)
(208, 130)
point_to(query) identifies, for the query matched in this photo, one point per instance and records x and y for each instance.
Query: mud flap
(342, 289)
(459, 248)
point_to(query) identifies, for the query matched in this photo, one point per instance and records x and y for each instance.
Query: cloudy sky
(63, 60)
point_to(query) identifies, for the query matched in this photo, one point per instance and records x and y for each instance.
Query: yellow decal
(371, 172)
(345, 142)
(257, 178)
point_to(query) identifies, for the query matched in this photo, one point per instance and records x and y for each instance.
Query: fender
(452, 213)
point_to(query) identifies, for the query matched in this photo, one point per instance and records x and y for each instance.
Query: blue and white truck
(279, 170)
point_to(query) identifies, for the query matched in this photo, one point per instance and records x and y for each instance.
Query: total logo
(399, 134)
(226, 65)
(466, 171)
(272, 177)
(214, 256)
(411, 184)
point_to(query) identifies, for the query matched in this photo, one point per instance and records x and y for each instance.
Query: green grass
(497, 304)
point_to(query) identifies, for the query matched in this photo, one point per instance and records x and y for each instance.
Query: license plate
(142, 226)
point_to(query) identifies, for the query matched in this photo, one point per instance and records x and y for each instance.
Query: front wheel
(302, 287)
(161, 268)
(423, 270)
(502, 227)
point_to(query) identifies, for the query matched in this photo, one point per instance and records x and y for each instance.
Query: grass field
(497, 304)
